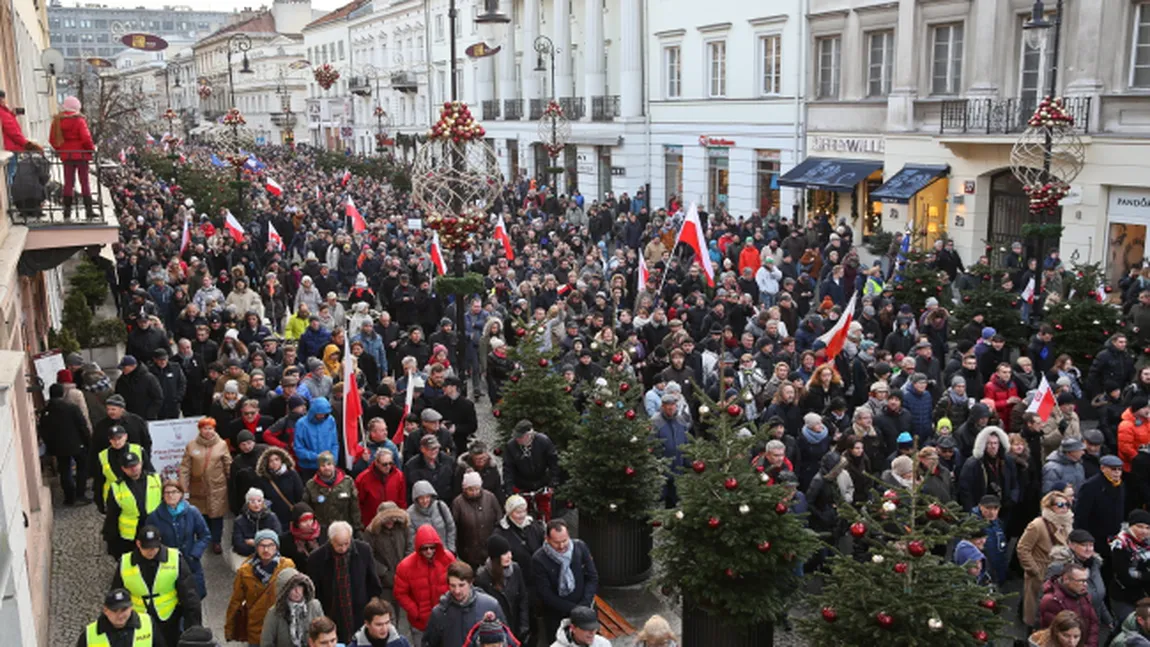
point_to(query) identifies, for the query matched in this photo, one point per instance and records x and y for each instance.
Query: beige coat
(1052, 436)
(204, 473)
(1034, 548)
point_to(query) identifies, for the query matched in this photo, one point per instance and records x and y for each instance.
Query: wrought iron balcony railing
(604, 108)
(574, 108)
(1004, 116)
(491, 108)
(36, 182)
(513, 109)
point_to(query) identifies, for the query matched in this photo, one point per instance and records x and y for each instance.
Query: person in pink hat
(73, 143)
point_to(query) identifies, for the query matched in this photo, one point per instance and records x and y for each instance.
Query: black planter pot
(704, 628)
(621, 548)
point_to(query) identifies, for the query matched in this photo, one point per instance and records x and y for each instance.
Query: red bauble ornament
(989, 603)
(918, 281)
(624, 387)
(885, 620)
(890, 495)
(498, 451)
(1014, 304)
(731, 483)
(934, 511)
(495, 412)
(900, 568)
(764, 546)
(1058, 326)
(630, 414)
(698, 466)
(520, 332)
(514, 378)
(567, 389)
(656, 523)
(916, 548)
(543, 362)
(858, 529)
(829, 614)
(713, 522)
(760, 468)
(731, 573)
(981, 636)
(734, 410)
(781, 508)
(630, 471)
(570, 505)
(617, 358)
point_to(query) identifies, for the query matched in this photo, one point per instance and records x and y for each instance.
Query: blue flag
(216, 161)
(903, 251)
(254, 165)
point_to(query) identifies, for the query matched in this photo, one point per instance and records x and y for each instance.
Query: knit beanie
(497, 547)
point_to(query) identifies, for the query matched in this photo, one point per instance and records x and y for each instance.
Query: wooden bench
(611, 623)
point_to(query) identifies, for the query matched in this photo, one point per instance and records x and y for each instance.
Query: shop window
(673, 171)
(718, 177)
(766, 180)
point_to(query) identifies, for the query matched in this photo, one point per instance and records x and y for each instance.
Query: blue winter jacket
(312, 342)
(921, 409)
(187, 532)
(314, 436)
(995, 548)
(673, 434)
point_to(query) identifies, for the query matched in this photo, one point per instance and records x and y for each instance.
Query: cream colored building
(944, 88)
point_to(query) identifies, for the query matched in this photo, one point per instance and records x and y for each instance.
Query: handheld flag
(837, 335)
(216, 161)
(346, 178)
(150, 140)
(123, 157)
(186, 237)
(643, 273)
(352, 406)
(358, 224)
(1028, 291)
(397, 437)
(691, 234)
(437, 255)
(1043, 402)
(502, 236)
(273, 187)
(318, 195)
(275, 238)
(234, 227)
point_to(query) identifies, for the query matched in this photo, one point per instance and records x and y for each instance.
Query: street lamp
(237, 43)
(544, 46)
(491, 14)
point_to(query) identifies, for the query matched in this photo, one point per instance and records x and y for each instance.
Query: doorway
(1009, 211)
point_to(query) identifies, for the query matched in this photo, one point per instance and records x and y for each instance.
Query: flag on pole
(346, 178)
(273, 187)
(502, 236)
(186, 237)
(234, 227)
(318, 195)
(837, 335)
(1028, 291)
(123, 157)
(151, 140)
(691, 234)
(397, 437)
(216, 161)
(1100, 291)
(437, 255)
(358, 224)
(1043, 402)
(352, 406)
(643, 273)
(275, 238)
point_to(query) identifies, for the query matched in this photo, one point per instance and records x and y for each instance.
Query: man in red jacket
(421, 579)
(381, 481)
(1002, 390)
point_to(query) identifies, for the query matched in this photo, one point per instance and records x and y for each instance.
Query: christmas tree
(1082, 323)
(999, 308)
(733, 547)
(536, 392)
(613, 462)
(916, 281)
(903, 594)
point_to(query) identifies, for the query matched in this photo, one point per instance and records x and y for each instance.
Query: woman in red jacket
(421, 579)
(73, 143)
(1002, 390)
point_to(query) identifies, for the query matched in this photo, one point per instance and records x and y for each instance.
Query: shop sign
(715, 141)
(583, 164)
(1129, 205)
(144, 42)
(346, 132)
(848, 144)
(482, 50)
(764, 155)
(618, 171)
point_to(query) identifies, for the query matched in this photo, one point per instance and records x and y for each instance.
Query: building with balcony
(913, 108)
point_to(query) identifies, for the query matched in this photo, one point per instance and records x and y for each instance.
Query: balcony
(574, 108)
(490, 108)
(360, 86)
(512, 109)
(604, 108)
(284, 119)
(1003, 116)
(404, 82)
(537, 108)
(36, 200)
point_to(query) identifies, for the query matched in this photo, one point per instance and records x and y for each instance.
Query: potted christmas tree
(732, 549)
(536, 391)
(614, 477)
(903, 593)
(1084, 321)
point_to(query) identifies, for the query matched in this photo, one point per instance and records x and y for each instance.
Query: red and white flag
(149, 139)
(1043, 402)
(234, 227)
(358, 224)
(186, 237)
(1028, 291)
(502, 236)
(318, 195)
(837, 335)
(644, 274)
(183, 158)
(123, 157)
(274, 238)
(272, 186)
(346, 178)
(437, 255)
(1100, 291)
(397, 437)
(352, 406)
(691, 234)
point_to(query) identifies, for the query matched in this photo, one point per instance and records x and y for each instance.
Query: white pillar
(594, 74)
(631, 53)
(485, 81)
(900, 103)
(986, 13)
(1083, 75)
(530, 33)
(561, 34)
(506, 56)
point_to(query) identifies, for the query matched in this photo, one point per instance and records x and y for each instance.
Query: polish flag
(352, 407)
(273, 187)
(837, 335)
(1100, 291)
(123, 157)
(1043, 402)
(186, 237)
(183, 158)
(234, 227)
(643, 273)
(275, 238)
(691, 234)
(358, 224)
(1028, 291)
(502, 236)
(151, 140)
(437, 255)
(346, 178)
(318, 195)
(397, 437)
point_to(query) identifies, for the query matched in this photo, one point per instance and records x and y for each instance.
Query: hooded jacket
(388, 546)
(419, 583)
(437, 515)
(1055, 598)
(1133, 432)
(977, 479)
(277, 622)
(394, 638)
(1059, 467)
(374, 488)
(287, 481)
(314, 436)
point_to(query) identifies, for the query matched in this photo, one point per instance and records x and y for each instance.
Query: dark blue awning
(909, 181)
(829, 173)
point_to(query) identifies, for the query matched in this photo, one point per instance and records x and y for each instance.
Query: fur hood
(388, 510)
(984, 435)
(287, 579)
(262, 463)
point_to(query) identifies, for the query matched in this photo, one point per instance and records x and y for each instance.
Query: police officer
(120, 625)
(173, 383)
(109, 466)
(130, 501)
(161, 585)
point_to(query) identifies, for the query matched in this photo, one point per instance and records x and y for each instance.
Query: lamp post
(1037, 30)
(544, 46)
(237, 43)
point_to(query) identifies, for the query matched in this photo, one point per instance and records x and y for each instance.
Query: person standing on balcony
(73, 143)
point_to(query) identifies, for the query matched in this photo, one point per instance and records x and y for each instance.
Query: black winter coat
(142, 393)
(545, 575)
(513, 597)
(63, 428)
(1112, 369)
(365, 583)
(530, 472)
(1100, 509)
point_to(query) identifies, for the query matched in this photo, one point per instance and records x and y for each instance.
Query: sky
(203, 5)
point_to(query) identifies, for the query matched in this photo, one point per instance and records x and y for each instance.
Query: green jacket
(339, 502)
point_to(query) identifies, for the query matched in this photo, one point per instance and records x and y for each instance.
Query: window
(1034, 71)
(946, 61)
(439, 27)
(717, 68)
(309, 58)
(771, 52)
(458, 25)
(1140, 49)
(830, 56)
(673, 63)
(341, 50)
(441, 81)
(880, 62)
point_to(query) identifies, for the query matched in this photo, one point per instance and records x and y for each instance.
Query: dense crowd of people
(423, 537)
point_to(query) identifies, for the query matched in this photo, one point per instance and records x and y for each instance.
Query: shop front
(923, 188)
(1127, 216)
(835, 187)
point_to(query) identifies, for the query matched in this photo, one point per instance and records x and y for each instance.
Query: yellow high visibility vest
(129, 512)
(106, 467)
(163, 592)
(142, 637)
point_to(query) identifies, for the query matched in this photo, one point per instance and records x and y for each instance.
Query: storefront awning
(909, 181)
(829, 173)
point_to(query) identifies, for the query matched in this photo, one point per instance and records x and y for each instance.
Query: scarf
(1060, 523)
(566, 576)
(263, 572)
(814, 437)
(305, 541)
(1139, 552)
(178, 510)
(297, 622)
(343, 612)
(955, 398)
(1116, 481)
(104, 383)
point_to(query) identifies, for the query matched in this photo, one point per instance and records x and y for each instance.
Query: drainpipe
(800, 142)
(647, 104)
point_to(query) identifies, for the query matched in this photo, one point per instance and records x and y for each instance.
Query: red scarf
(302, 535)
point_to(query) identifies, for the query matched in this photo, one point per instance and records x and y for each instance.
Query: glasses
(388, 464)
(1062, 505)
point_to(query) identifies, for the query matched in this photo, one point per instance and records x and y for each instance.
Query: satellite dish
(52, 61)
